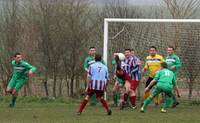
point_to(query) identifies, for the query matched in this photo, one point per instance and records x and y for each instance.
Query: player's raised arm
(178, 63)
(31, 68)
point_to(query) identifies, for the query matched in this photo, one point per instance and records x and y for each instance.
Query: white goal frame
(108, 20)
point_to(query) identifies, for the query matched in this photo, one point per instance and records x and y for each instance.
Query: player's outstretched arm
(177, 91)
(153, 82)
(178, 63)
(31, 68)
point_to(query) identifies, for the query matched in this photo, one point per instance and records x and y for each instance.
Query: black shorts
(148, 82)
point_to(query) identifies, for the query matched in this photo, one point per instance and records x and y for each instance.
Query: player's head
(18, 57)
(97, 57)
(92, 51)
(127, 52)
(132, 52)
(118, 62)
(170, 50)
(164, 65)
(152, 51)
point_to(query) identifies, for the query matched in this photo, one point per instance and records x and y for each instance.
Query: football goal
(140, 34)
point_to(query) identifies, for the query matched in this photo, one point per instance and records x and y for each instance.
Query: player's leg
(149, 99)
(174, 98)
(122, 91)
(92, 97)
(127, 86)
(100, 96)
(11, 85)
(19, 84)
(157, 99)
(147, 94)
(120, 85)
(134, 85)
(85, 101)
(167, 102)
(133, 98)
(116, 93)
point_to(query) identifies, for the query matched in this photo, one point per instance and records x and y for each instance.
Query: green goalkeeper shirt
(88, 61)
(165, 78)
(21, 69)
(173, 60)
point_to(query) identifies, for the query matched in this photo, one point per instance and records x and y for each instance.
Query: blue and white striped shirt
(98, 76)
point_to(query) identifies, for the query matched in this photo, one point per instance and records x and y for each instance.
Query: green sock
(13, 102)
(115, 98)
(174, 98)
(147, 102)
(93, 99)
(118, 97)
(167, 102)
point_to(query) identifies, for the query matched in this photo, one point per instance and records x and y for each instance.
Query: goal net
(140, 34)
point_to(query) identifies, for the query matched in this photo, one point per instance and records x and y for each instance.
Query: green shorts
(17, 84)
(158, 89)
(120, 82)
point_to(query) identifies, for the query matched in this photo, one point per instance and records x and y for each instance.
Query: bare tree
(182, 8)
(10, 35)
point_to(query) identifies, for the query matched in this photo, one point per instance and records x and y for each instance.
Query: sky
(135, 2)
(146, 2)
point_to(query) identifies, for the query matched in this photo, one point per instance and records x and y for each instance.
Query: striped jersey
(131, 66)
(153, 64)
(98, 76)
(21, 69)
(173, 60)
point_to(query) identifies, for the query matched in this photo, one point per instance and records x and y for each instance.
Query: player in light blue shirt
(98, 80)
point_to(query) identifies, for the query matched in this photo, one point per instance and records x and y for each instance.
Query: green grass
(39, 110)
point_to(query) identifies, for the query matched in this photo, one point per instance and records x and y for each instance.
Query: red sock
(125, 97)
(105, 104)
(83, 104)
(133, 100)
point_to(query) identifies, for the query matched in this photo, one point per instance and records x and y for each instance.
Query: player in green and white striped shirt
(174, 64)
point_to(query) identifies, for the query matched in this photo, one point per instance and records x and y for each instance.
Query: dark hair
(118, 62)
(17, 54)
(153, 47)
(171, 47)
(164, 65)
(132, 49)
(92, 47)
(97, 57)
(127, 49)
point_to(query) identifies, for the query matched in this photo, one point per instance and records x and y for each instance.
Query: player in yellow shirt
(152, 65)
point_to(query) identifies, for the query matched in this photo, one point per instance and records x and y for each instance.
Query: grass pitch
(64, 112)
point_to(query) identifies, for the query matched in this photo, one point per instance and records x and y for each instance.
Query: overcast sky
(146, 2)
(136, 2)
